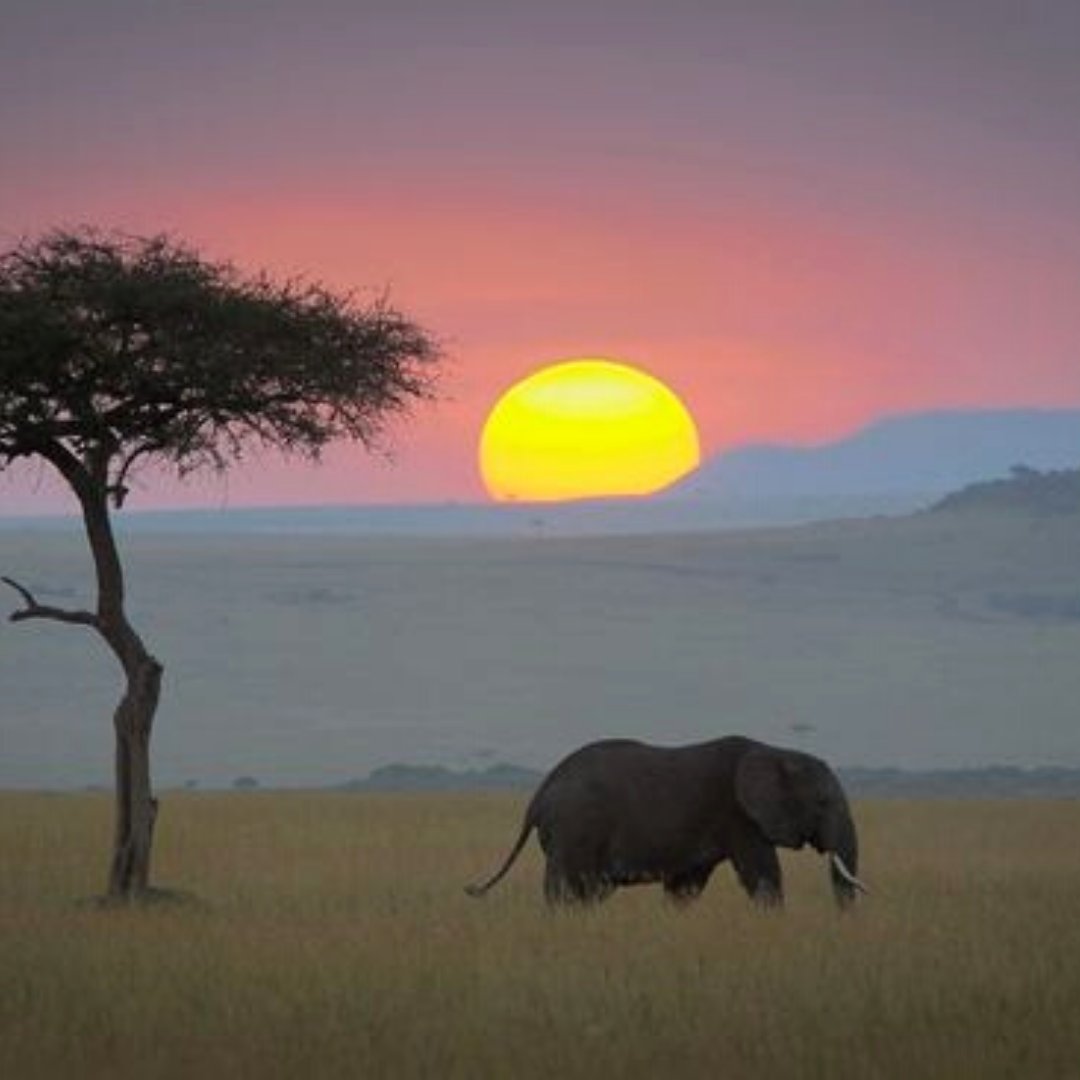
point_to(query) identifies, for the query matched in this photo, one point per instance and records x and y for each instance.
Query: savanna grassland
(331, 938)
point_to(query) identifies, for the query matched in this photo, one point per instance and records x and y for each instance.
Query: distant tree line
(398, 777)
(1025, 490)
(992, 782)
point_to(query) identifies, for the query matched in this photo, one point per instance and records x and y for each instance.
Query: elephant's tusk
(846, 874)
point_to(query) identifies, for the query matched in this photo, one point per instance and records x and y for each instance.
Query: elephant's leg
(566, 885)
(556, 887)
(688, 884)
(758, 868)
(594, 890)
(587, 886)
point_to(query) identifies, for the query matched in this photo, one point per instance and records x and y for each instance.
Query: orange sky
(796, 248)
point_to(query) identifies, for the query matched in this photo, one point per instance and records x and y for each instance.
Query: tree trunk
(133, 720)
(136, 807)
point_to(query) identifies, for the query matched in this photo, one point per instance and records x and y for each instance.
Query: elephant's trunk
(844, 861)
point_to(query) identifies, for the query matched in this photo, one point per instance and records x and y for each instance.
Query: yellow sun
(586, 429)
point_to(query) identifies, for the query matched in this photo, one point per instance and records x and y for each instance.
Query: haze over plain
(312, 660)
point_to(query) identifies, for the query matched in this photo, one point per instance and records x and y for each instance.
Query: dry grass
(336, 942)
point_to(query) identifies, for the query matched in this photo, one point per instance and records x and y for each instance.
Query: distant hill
(927, 454)
(1024, 491)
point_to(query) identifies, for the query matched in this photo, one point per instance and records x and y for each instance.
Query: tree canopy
(121, 349)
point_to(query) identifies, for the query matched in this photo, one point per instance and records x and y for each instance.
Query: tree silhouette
(119, 351)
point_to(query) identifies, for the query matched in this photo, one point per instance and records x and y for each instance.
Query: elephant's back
(590, 773)
(594, 754)
(616, 779)
(619, 758)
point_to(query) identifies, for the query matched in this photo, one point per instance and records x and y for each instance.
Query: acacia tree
(117, 352)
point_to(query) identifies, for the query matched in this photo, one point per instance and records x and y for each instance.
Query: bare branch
(34, 610)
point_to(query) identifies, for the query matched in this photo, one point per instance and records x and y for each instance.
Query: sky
(800, 216)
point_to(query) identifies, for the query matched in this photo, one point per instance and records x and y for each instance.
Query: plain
(937, 640)
(330, 937)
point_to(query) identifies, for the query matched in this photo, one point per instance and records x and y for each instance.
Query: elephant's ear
(763, 790)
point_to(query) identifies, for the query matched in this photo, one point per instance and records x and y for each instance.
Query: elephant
(621, 812)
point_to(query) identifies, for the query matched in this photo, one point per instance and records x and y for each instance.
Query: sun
(586, 428)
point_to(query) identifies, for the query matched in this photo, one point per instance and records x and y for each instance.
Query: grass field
(334, 940)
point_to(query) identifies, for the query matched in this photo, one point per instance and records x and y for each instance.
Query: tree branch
(34, 610)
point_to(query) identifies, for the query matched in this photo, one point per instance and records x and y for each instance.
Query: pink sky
(798, 231)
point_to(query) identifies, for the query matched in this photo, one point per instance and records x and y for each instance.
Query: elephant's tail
(515, 851)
